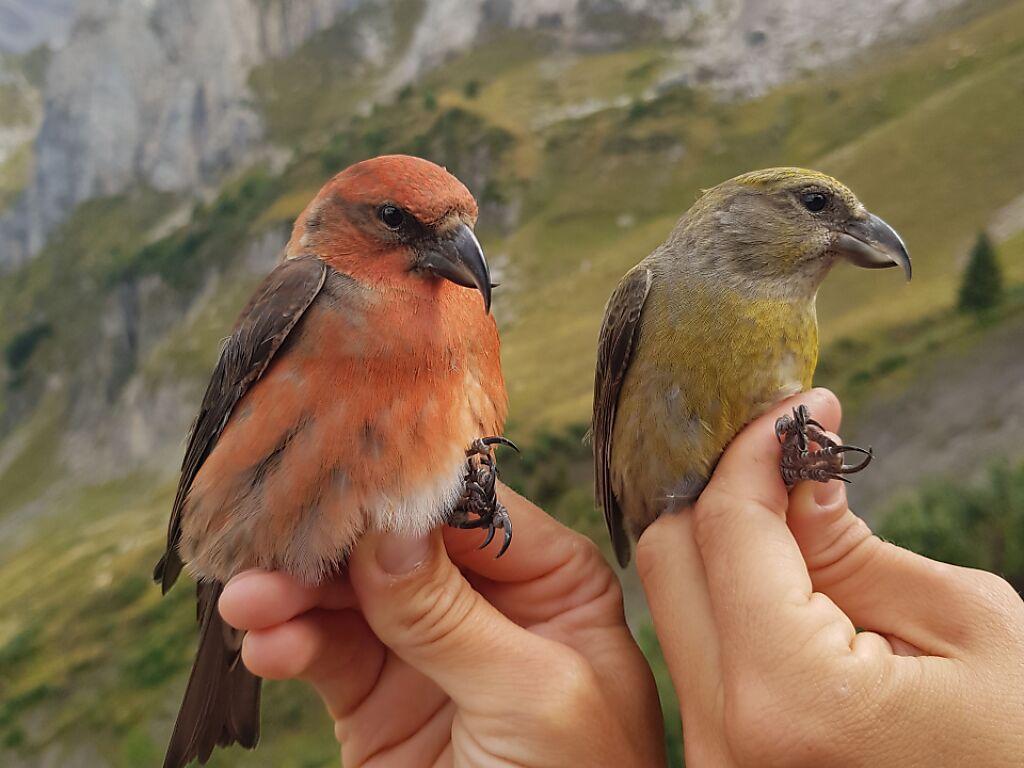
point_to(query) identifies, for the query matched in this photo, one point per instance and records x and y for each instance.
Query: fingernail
(828, 494)
(238, 578)
(398, 554)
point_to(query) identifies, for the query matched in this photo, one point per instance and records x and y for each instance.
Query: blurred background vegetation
(583, 137)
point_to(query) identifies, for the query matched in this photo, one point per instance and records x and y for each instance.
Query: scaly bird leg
(800, 462)
(478, 507)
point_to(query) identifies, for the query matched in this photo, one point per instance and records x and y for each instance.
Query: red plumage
(345, 400)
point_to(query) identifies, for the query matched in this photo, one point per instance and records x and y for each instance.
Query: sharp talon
(478, 498)
(850, 469)
(498, 440)
(851, 448)
(508, 538)
(796, 434)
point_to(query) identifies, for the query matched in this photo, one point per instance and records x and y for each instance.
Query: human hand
(524, 660)
(756, 598)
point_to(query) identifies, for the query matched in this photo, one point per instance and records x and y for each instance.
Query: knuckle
(439, 607)
(580, 576)
(1002, 594)
(707, 516)
(787, 720)
(570, 690)
(714, 510)
(587, 553)
(592, 570)
(778, 738)
(583, 558)
(842, 551)
(752, 726)
(999, 596)
(657, 547)
(648, 553)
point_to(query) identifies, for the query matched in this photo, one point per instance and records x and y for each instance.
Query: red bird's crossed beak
(458, 257)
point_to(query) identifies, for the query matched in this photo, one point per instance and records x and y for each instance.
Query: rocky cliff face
(24, 24)
(746, 47)
(152, 92)
(155, 92)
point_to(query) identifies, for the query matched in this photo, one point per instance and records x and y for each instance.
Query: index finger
(754, 568)
(257, 599)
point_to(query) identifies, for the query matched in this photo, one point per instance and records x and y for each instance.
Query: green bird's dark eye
(814, 202)
(391, 216)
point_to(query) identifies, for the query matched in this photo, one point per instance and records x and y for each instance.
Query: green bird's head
(784, 228)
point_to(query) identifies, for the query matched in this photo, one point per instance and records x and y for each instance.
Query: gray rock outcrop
(156, 92)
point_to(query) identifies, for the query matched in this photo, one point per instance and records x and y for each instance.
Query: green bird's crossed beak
(873, 244)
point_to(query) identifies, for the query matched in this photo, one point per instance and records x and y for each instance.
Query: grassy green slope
(91, 657)
(600, 191)
(929, 139)
(928, 134)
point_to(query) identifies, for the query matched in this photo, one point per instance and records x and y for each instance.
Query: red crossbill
(352, 395)
(715, 326)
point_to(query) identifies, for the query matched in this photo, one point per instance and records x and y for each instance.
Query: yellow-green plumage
(741, 355)
(710, 330)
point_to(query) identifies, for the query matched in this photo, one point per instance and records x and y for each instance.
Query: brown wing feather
(618, 337)
(272, 312)
(222, 700)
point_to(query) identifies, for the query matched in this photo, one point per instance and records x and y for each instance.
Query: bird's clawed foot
(800, 462)
(478, 506)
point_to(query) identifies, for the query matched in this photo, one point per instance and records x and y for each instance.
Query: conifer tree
(981, 286)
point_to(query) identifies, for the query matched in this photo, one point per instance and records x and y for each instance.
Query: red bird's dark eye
(391, 216)
(814, 202)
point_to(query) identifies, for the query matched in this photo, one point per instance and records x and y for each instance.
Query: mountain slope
(157, 93)
(582, 159)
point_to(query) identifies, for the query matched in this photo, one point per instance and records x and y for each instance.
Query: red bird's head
(394, 219)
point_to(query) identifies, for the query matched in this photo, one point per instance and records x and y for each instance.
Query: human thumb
(880, 586)
(420, 605)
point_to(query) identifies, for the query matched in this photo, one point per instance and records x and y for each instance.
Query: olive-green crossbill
(712, 328)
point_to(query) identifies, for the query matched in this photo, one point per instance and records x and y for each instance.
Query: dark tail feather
(222, 700)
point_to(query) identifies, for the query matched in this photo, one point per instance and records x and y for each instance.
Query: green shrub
(21, 647)
(890, 363)
(12, 707)
(20, 348)
(976, 525)
(211, 238)
(14, 738)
